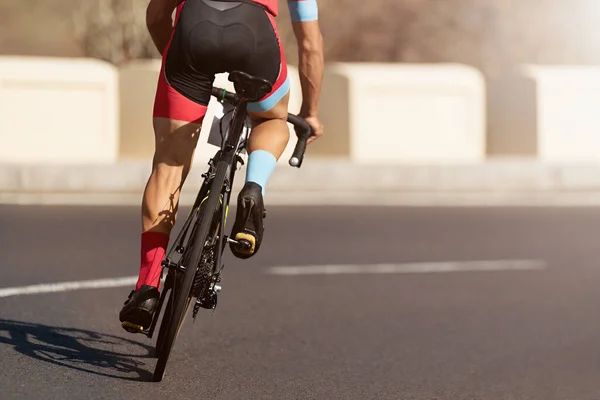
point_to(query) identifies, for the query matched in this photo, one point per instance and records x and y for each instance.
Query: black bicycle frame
(229, 153)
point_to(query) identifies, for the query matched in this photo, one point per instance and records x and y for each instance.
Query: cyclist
(209, 37)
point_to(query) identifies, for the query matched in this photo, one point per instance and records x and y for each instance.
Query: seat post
(237, 125)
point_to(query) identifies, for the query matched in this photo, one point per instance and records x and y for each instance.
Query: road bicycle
(194, 262)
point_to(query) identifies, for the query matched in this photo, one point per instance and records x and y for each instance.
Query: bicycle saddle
(248, 87)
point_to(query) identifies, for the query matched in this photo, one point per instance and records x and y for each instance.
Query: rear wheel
(160, 340)
(181, 294)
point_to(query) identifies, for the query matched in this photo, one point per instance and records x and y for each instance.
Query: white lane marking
(408, 268)
(68, 286)
(412, 268)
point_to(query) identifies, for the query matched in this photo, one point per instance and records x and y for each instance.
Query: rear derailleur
(206, 286)
(208, 299)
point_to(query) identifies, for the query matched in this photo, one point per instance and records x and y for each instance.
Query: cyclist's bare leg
(270, 132)
(268, 140)
(174, 151)
(175, 145)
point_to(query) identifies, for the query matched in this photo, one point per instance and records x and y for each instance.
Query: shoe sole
(136, 321)
(132, 328)
(247, 238)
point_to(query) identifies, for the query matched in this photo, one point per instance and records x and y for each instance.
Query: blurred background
(411, 83)
(482, 83)
(467, 79)
(489, 35)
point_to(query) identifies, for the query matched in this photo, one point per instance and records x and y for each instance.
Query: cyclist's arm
(159, 20)
(305, 23)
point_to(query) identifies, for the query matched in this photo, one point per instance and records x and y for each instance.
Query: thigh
(277, 108)
(182, 92)
(274, 104)
(175, 141)
(171, 104)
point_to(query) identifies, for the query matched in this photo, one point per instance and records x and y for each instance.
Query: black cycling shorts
(211, 37)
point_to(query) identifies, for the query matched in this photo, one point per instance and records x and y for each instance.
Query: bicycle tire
(160, 339)
(166, 321)
(182, 297)
(160, 342)
(172, 280)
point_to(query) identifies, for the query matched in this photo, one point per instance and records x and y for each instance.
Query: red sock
(154, 248)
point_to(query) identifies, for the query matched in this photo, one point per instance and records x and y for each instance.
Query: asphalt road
(458, 335)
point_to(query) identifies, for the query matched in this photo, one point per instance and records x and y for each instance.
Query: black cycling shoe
(248, 227)
(136, 315)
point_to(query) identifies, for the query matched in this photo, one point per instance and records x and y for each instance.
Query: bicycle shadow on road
(78, 349)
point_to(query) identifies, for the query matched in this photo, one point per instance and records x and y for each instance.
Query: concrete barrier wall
(137, 89)
(58, 110)
(85, 111)
(547, 112)
(376, 113)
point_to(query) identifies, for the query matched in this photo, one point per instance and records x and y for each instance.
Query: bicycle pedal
(228, 239)
(133, 328)
(246, 242)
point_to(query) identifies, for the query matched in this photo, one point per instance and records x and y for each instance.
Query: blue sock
(260, 167)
